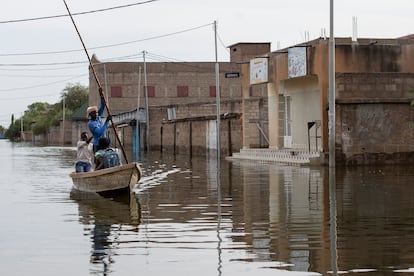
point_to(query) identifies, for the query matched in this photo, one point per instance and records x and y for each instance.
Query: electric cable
(78, 13)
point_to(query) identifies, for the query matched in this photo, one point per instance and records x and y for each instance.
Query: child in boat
(83, 154)
(105, 156)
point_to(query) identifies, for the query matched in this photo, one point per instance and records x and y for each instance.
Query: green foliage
(75, 95)
(13, 131)
(40, 116)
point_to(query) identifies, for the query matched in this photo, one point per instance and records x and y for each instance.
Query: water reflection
(333, 220)
(283, 214)
(247, 213)
(107, 216)
(376, 219)
(257, 219)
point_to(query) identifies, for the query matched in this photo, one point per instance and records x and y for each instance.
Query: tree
(75, 95)
(13, 132)
(40, 116)
(2, 130)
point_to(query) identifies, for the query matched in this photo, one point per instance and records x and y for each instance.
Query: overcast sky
(39, 57)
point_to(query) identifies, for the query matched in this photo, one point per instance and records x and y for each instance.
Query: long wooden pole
(98, 82)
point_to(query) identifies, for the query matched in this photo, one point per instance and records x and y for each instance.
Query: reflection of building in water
(282, 214)
(268, 213)
(107, 215)
(375, 217)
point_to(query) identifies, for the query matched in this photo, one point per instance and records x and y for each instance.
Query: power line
(41, 85)
(63, 63)
(79, 13)
(110, 45)
(41, 64)
(162, 58)
(28, 97)
(34, 76)
(92, 48)
(39, 69)
(173, 61)
(222, 43)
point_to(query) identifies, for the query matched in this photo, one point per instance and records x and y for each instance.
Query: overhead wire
(222, 43)
(34, 76)
(41, 85)
(39, 69)
(110, 45)
(41, 64)
(78, 13)
(128, 57)
(62, 63)
(28, 97)
(61, 81)
(48, 64)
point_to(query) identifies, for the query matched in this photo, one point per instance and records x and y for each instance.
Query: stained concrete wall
(383, 56)
(192, 137)
(244, 52)
(188, 133)
(374, 118)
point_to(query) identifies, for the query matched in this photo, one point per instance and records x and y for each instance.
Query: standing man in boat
(95, 125)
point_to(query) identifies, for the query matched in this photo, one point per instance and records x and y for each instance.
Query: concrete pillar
(245, 105)
(273, 102)
(324, 89)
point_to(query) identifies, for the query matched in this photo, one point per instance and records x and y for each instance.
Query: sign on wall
(232, 75)
(296, 62)
(258, 70)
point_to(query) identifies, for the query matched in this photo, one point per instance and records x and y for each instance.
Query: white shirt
(84, 152)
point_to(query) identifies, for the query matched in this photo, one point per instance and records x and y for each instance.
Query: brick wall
(164, 79)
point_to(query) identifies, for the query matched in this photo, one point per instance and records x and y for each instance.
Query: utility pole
(332, 170)
(146, 102)
(137, 130)
(217, 98)
(21, 128)
(217, 70)
(331, 114)
(63, 122)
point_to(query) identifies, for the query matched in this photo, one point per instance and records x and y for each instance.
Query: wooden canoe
(122, 177)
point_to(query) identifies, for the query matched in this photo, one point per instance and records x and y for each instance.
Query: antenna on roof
(306, 36)
(323, 33)
(354, 28)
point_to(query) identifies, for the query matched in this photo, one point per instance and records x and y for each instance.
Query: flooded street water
(257, 219)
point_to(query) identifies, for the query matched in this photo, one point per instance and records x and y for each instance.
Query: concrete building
(278, 102)
(181, 100)
(374, 85)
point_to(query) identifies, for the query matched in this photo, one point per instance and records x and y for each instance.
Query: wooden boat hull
(108, 180)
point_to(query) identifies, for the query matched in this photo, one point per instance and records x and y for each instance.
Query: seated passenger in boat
(105, 156)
